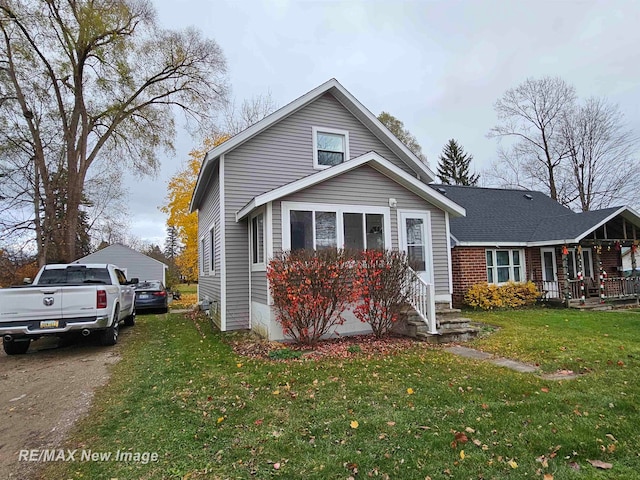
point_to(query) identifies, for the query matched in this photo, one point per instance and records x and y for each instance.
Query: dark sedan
(152, 295)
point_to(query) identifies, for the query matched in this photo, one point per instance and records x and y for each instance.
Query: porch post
(565, 270)
(633, 259)
(581, 275)
(602, 272)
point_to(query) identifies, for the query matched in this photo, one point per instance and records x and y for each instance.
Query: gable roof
(333, 87)
(372, 159)
(113, 250)
(521, 217)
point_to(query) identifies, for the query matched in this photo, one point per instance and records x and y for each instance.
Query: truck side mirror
(134, 280)
(27, 281)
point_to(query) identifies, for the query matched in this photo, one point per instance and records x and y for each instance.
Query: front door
(415, 240)
(550, 272)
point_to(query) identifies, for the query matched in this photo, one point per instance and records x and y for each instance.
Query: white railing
(422, 299)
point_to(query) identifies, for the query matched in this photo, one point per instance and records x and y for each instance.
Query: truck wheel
(130, 321)
(13, 347)
(110, 335)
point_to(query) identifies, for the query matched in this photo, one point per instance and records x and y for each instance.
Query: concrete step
(448, 323)
(449, 336)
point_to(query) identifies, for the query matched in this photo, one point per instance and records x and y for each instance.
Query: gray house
(133, 263)
(321, 171)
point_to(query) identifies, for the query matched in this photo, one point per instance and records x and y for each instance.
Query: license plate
(49, 324)
(143, 296)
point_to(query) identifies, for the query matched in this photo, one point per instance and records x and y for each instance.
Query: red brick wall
(610, 261)
(469, 266)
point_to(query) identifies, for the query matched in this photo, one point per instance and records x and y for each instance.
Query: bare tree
(600, 156)
(532, 114)
(85, 79)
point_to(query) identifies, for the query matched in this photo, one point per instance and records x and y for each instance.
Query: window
(319, 226)
(257, 241)
(330, 147)
(212, 249)
(572, 263)
(203, 260)
(505, 266)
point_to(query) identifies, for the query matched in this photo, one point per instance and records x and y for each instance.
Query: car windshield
(74, 276)
(149, 286)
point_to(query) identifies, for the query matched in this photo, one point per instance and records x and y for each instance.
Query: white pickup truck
(67, 299)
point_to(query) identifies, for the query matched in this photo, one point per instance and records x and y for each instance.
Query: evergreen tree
(172, 244)
(453, 167)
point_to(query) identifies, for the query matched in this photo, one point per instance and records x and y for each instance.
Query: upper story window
(505, 266)
(330, 147)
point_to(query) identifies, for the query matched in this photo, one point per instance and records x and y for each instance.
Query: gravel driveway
(44, 392)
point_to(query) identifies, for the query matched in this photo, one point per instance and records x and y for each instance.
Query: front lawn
(181, 392)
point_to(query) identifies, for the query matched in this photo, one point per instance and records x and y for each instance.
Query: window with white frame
(319, 226)
(203, 259)
(212, 249)
(257, 241)
(330, 147)
(505, 266)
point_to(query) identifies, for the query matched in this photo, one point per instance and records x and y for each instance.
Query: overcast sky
(438, 66)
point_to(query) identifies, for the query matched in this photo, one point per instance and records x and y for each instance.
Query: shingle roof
(497, 215)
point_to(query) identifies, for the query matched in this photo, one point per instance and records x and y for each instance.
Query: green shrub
(486, 296)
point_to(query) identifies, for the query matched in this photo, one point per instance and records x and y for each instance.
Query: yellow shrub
(486, 296)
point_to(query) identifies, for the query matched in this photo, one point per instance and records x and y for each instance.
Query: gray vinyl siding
(136, 264)
(209, 214)
(279, 155)
(259, 287)
(366, 186)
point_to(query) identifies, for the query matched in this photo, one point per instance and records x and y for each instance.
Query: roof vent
(527, 196)
(442, 190)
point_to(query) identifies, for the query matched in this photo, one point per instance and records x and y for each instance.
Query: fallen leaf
(600, 464)
(544, 389)
(512, 464)
(469, 430)
(258, 422)
(239, 365)
(575, 466)
(462, 455)
(220, 419)
(354, 424)
(410, 391)
(611, 437)
(391, 424)
(276, 466)
(477, 442)
(276, 392)
(547, 476)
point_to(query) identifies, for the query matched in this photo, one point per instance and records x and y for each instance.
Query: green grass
(209, 413)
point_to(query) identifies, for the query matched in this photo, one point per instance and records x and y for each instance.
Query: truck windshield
(74, 276)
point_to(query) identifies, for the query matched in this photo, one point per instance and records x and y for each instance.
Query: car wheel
(110, 335)
(14, 347)
(130, 321)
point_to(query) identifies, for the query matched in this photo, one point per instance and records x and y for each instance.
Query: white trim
(428, 240)
(258, 266)
(605, 220)
(212, 249)
(223, 259)
(334, 131)
(347, 100)
(269, 242)
(495, 266)
(496, 244)
(250, 234)
(339, 209)
(449, 261)
(374, 160)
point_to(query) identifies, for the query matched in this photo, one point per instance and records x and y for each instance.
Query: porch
(617, 290)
